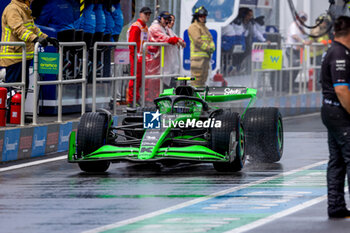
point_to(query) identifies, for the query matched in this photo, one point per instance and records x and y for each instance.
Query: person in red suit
(138, 32)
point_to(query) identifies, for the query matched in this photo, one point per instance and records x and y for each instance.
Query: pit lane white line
(221, 193)
(278, 215)
(32, 163)
(302, 116)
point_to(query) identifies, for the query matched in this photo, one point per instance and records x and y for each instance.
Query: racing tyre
(94, 167)
(229, 139)
(264, 134)
(91, 135)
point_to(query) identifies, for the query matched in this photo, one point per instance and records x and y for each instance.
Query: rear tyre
(264, 134)
(91, 135)
(229, 139)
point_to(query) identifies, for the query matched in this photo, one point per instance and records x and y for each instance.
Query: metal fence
(261, 78)
(299, 73)
(22, 84)
(113, 79)
(60, 82)
(160, 76)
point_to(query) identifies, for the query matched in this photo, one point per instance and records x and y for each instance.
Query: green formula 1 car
(181, 127)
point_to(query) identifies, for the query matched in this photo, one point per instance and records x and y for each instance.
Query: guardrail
(114, 79)
(256, 67)
(297, 67)
(23, 82)
(161, 75)
(316, 57)
(60, 82)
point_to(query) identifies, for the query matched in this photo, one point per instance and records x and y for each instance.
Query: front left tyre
(91, 135)
(229, 140)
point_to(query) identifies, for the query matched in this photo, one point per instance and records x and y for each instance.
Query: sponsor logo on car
(229, 91)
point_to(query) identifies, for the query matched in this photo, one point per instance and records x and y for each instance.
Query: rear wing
(222, 94)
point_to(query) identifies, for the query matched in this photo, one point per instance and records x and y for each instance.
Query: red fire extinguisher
(15, 114)
(310, 83)
(3, 98)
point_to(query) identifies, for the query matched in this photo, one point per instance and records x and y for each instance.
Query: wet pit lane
(287, 196)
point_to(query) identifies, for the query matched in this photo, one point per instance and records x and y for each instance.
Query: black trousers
(337, 121)
(14, 73)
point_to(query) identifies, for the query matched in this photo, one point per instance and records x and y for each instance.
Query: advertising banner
(272, 59)
(48, 63)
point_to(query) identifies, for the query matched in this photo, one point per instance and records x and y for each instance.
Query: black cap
(146, 10)
(165, 15)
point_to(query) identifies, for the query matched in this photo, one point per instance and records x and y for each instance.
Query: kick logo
(151, 120)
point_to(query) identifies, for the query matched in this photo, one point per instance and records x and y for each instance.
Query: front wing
(114, 153)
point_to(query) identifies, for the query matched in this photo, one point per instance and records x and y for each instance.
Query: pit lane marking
(278, 215)
(222, 193)
(14, 167)
(301, 116)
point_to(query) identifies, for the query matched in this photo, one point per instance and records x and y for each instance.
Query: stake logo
(151, 120)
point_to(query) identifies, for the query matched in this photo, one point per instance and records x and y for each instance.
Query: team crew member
(88, 23)
(296, 34)
(107, 10)
(202, 46)
(138, 32)
(158, 33)
(336, 115)
(173, 53)
(18, 26)
(118, 17)
(100, 21)
(57, 14)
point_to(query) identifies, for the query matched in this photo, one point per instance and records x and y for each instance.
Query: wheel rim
(280, 134)
(231, 144)
(241, 141)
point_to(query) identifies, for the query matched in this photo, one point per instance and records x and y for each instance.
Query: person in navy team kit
(336, 115)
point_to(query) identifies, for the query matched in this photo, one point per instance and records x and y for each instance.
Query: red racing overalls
(138, 32)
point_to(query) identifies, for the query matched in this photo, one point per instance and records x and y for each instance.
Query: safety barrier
(161, 75)
(306, 54)
(302, 69)
(22, 84)
(256, 80)
(315, 52)
(60, 82)
(114, 79)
